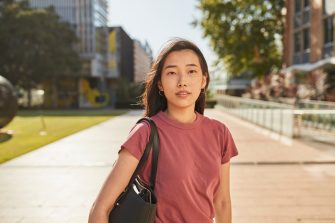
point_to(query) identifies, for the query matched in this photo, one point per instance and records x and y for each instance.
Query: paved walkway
(274, 179)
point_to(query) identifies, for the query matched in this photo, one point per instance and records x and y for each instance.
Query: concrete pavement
(274, 179)
(277, 179)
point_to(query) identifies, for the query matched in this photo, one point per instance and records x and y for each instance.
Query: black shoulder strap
(152, 144)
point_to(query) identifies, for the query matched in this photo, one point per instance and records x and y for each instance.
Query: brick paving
(274, 179)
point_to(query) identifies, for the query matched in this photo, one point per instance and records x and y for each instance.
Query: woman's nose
(182, 80)
(181, 84)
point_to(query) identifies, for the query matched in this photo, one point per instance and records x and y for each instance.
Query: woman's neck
(184, 116)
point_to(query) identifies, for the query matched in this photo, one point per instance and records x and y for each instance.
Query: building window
(301, 31)
(297, 42)
(300, 5)
(328, 7)
(297, 14)
(297, 6)
(306, 12)
(302, 13)
(297, 20)
(328, 25)
(306, 39)
(328, 34)
(306, 4)
(306, 46)
(306, 16)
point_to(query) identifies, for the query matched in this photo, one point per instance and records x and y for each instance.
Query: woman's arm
(115, 183)
(222, 202)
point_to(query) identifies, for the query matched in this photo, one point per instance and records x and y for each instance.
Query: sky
(156, 21)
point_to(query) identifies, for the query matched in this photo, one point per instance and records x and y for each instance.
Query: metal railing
(312, 104)
(319, 121)
(284, 119)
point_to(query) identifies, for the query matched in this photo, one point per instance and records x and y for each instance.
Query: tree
(244, 33)
(35, 45)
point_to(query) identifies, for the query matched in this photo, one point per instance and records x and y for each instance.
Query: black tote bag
(137, 203)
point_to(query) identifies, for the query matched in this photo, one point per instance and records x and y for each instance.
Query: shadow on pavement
(5, 137)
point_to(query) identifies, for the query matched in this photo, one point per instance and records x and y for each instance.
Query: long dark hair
(151, 99)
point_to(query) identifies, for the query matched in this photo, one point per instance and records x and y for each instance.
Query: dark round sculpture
(8, 102)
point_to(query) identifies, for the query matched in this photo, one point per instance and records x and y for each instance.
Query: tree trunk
(54, 93)
(29, 94)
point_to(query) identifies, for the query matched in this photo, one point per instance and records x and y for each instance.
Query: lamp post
(43, 131)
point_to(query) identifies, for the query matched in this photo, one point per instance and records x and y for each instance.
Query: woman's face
(182, 79)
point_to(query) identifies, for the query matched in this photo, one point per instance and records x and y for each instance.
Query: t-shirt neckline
(166, 119)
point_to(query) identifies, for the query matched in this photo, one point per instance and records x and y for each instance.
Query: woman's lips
(183, 94)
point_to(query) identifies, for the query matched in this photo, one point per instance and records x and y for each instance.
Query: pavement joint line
(264, 163)
(239, 163)
(57, 166)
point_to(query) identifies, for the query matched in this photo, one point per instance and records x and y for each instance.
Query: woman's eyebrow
(188, 65)
(170, 66)
(192, 65)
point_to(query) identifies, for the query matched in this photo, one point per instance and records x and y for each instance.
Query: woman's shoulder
(214, 123)
(142, 127)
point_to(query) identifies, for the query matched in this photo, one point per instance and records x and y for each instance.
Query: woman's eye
(171, 73)
(192, 71)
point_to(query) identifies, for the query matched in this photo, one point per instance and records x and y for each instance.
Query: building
(89, 20)
(128, 63)
(128, 59)
(234, 86)
(142, 60)
(309, 41)
(120, 55)
(120, 64)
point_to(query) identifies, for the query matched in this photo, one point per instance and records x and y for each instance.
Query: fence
(284, 119)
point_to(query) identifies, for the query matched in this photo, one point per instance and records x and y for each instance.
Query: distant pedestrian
(192, 184)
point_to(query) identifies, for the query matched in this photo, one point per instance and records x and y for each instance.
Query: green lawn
(27, 127)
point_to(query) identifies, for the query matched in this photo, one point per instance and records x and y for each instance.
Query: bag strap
(152, 144)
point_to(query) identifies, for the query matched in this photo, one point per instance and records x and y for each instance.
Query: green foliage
(243, 33)
(27, 126)
(210, 95)
(129, 94)
(35, 44)
(129, 91)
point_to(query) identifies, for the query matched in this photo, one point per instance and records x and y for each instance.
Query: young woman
(192, 184)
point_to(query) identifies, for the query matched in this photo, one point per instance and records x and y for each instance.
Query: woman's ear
(204, 81)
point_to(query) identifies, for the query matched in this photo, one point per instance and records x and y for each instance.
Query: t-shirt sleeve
(137, 140)
(228, 149)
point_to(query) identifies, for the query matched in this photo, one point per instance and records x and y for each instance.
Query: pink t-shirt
(189, 161)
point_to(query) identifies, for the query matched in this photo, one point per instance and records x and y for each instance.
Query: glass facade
(297, 42)
(100, 38)
(66, 9)
(301, 31)
(328, 7)
(297, 6)
(89, 19)
(328, 28)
